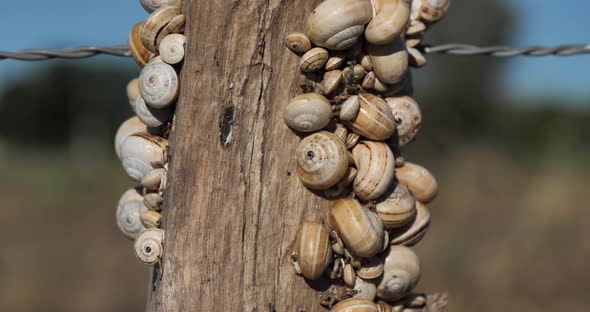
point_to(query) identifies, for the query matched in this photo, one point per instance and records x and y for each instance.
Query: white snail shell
(401, 273)
(152, 117)
(430, 11)
(355, 305)
(152, 5)
(365, 289)
(322, 160)
(313, 60)
(132, 92)
(419, 181)
(313, 249)
(337, 24)
(390, 61)
(154, 27)
(390, 21)
(308, 112)
(374, 119)
(408, 118)
(298, 42)
(128, 213)
(172, 48)
(398, 208)
(158, 84)
(141, 153)
(148, 246)
(412, 233)
(375, 163)
(127, 128)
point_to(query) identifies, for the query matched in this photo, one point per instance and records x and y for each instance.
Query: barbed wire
(450, 49)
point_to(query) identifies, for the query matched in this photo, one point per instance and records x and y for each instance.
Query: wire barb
(70, 54)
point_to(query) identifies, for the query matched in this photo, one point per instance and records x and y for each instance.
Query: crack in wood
(226, 127)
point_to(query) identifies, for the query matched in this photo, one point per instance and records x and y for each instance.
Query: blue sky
(70, 23)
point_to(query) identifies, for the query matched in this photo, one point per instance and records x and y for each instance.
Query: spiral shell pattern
(322, 159)
(158, 84)
(376, 169)
(128, 213)
(148, 246)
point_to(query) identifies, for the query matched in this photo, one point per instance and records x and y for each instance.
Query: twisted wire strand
(450, 49)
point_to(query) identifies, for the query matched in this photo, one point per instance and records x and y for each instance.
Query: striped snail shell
(148, 246)
(360, 229)
(312, 250)
(355, 305)
(390, 21)
(141, 153)
(337, 24)
(350, 108)
(371, 269)
(313, 60)
(158, 84)
(401, 273)
(322, 160)
(172, 48)
(408, 117)
(128, 213)
(127, 128)
(332, 80)
(308, 112)
(419, 181)
(398, 208)
(152, 117)
(298, 42)
(412, 233)
(154, 27)
(365, 289)
(152, 5)
(140, 54)
(374, 119)
(390, 61)
(375, 163)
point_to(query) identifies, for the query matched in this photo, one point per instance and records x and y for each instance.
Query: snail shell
(152, 5)
(371, 269)
(322, 159)
(308, 112)
(155, 25)
(369, 81)
(298, 42)
(408, 117)
(352, 140)
(416, 58)
(172, 48)
(313, 60)
(176, 25)
(128, 213)
(342, 188)
(313, 249)
(419, 181)
(153, 201)
(349, 276)
(158, 84)
(365, 289)
(401, 273)
(152, 117)
(390, 21)
(416, 27)
(414, 40)
(430, 11)
(341, 132)
(383, 306)
(355, 305)
(390, 61)
(335, 61)
(127, 128)
(375, 163)
(332, 80)
(350, 108)
(154, 180)
(411, 234)
(141, 153)
(151, 219)
(138, 51)
(398, 209)
(337, 24)
(360, 229)
(132, 92)
(374, 119)
(148, 246)
(365, 61)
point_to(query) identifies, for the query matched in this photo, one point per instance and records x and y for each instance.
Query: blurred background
(507, 139)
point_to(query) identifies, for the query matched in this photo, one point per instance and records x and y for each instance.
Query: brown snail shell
(313, 60)
(355, 305)
(419, 181)
(398, 208)
(313, 250)
(390, 61)
(322, 159)
(375, 163)
(374, 120)
(335, 61)
(401, 273)
(332, 80)
(412, 233)
(371, 269)
(132, 92)
(298, 42)
(350, 108)
(148, 246)
(390, 21)
(360, 229)
(153, 29)
(408, 117)
(308, 112)
(140, 54)
(349, 276)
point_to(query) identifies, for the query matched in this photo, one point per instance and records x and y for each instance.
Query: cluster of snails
(156, 45)
(355, 114)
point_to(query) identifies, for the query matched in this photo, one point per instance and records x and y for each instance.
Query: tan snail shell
(152, 5)
(152, 117)
(412, 233)
(416, 27)
(365, 289)
(430, 11)
(158, 84)
(413, 41)
(141, 153)
(419, 181)
(308, 112)
(348, 275)
(132, 92)
(390, 61)
(322, 160)
(375, 163)
(148, 246)
(352, 140)
(355, 305)
(416, 58)
(313, 250)
(153, 29)
(390, 21)
(401, 273)
(175, 26)
(337, 24)
(383, 306)
(398, 208)
(313, 60)
(151, 219)
(341, 132)
(360, 229)
(298, 42)
(332, 80)
(369, 81)
(127, 128)
(335, 61)
(365, 61)
(371, 269)
(408, 117)
(350, 108)
(138, 51)
(153, 201)
(155, 180)
(172, 48)
(374, 119)
(128, 213)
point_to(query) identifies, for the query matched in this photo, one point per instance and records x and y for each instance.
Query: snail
(127, 128)
(408, 118)
(153, 201)
(308, 112)
(132, 92)
(331, 80)
(152, 5)
(401, 273)
(360, 229)
(151, 219)
(419, 181)
(342, 188)
(369, 81)
(430, 11)
(322, 160)
(155, 180)
(298, 42)
(364, 289)
(335, 61)
(375, 163)
(313, 252)
(350, 108)
(416, 27)
(390, 61)
(154, 27)
(416, 58)
(158, 84)
(172, 48)
(141, 153)
(349, 276)
(337, 24)
(398, 208)
(152, 117)
(365, 61)
(313, 60)
(341, 132)
(383, 306)
(413, 232)
(413, 41)
(128, 213)
(373, 120)
(371, 269)
(140, 54)
(148, 246)
(355, 305)
(390, 21)
(175, 26)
